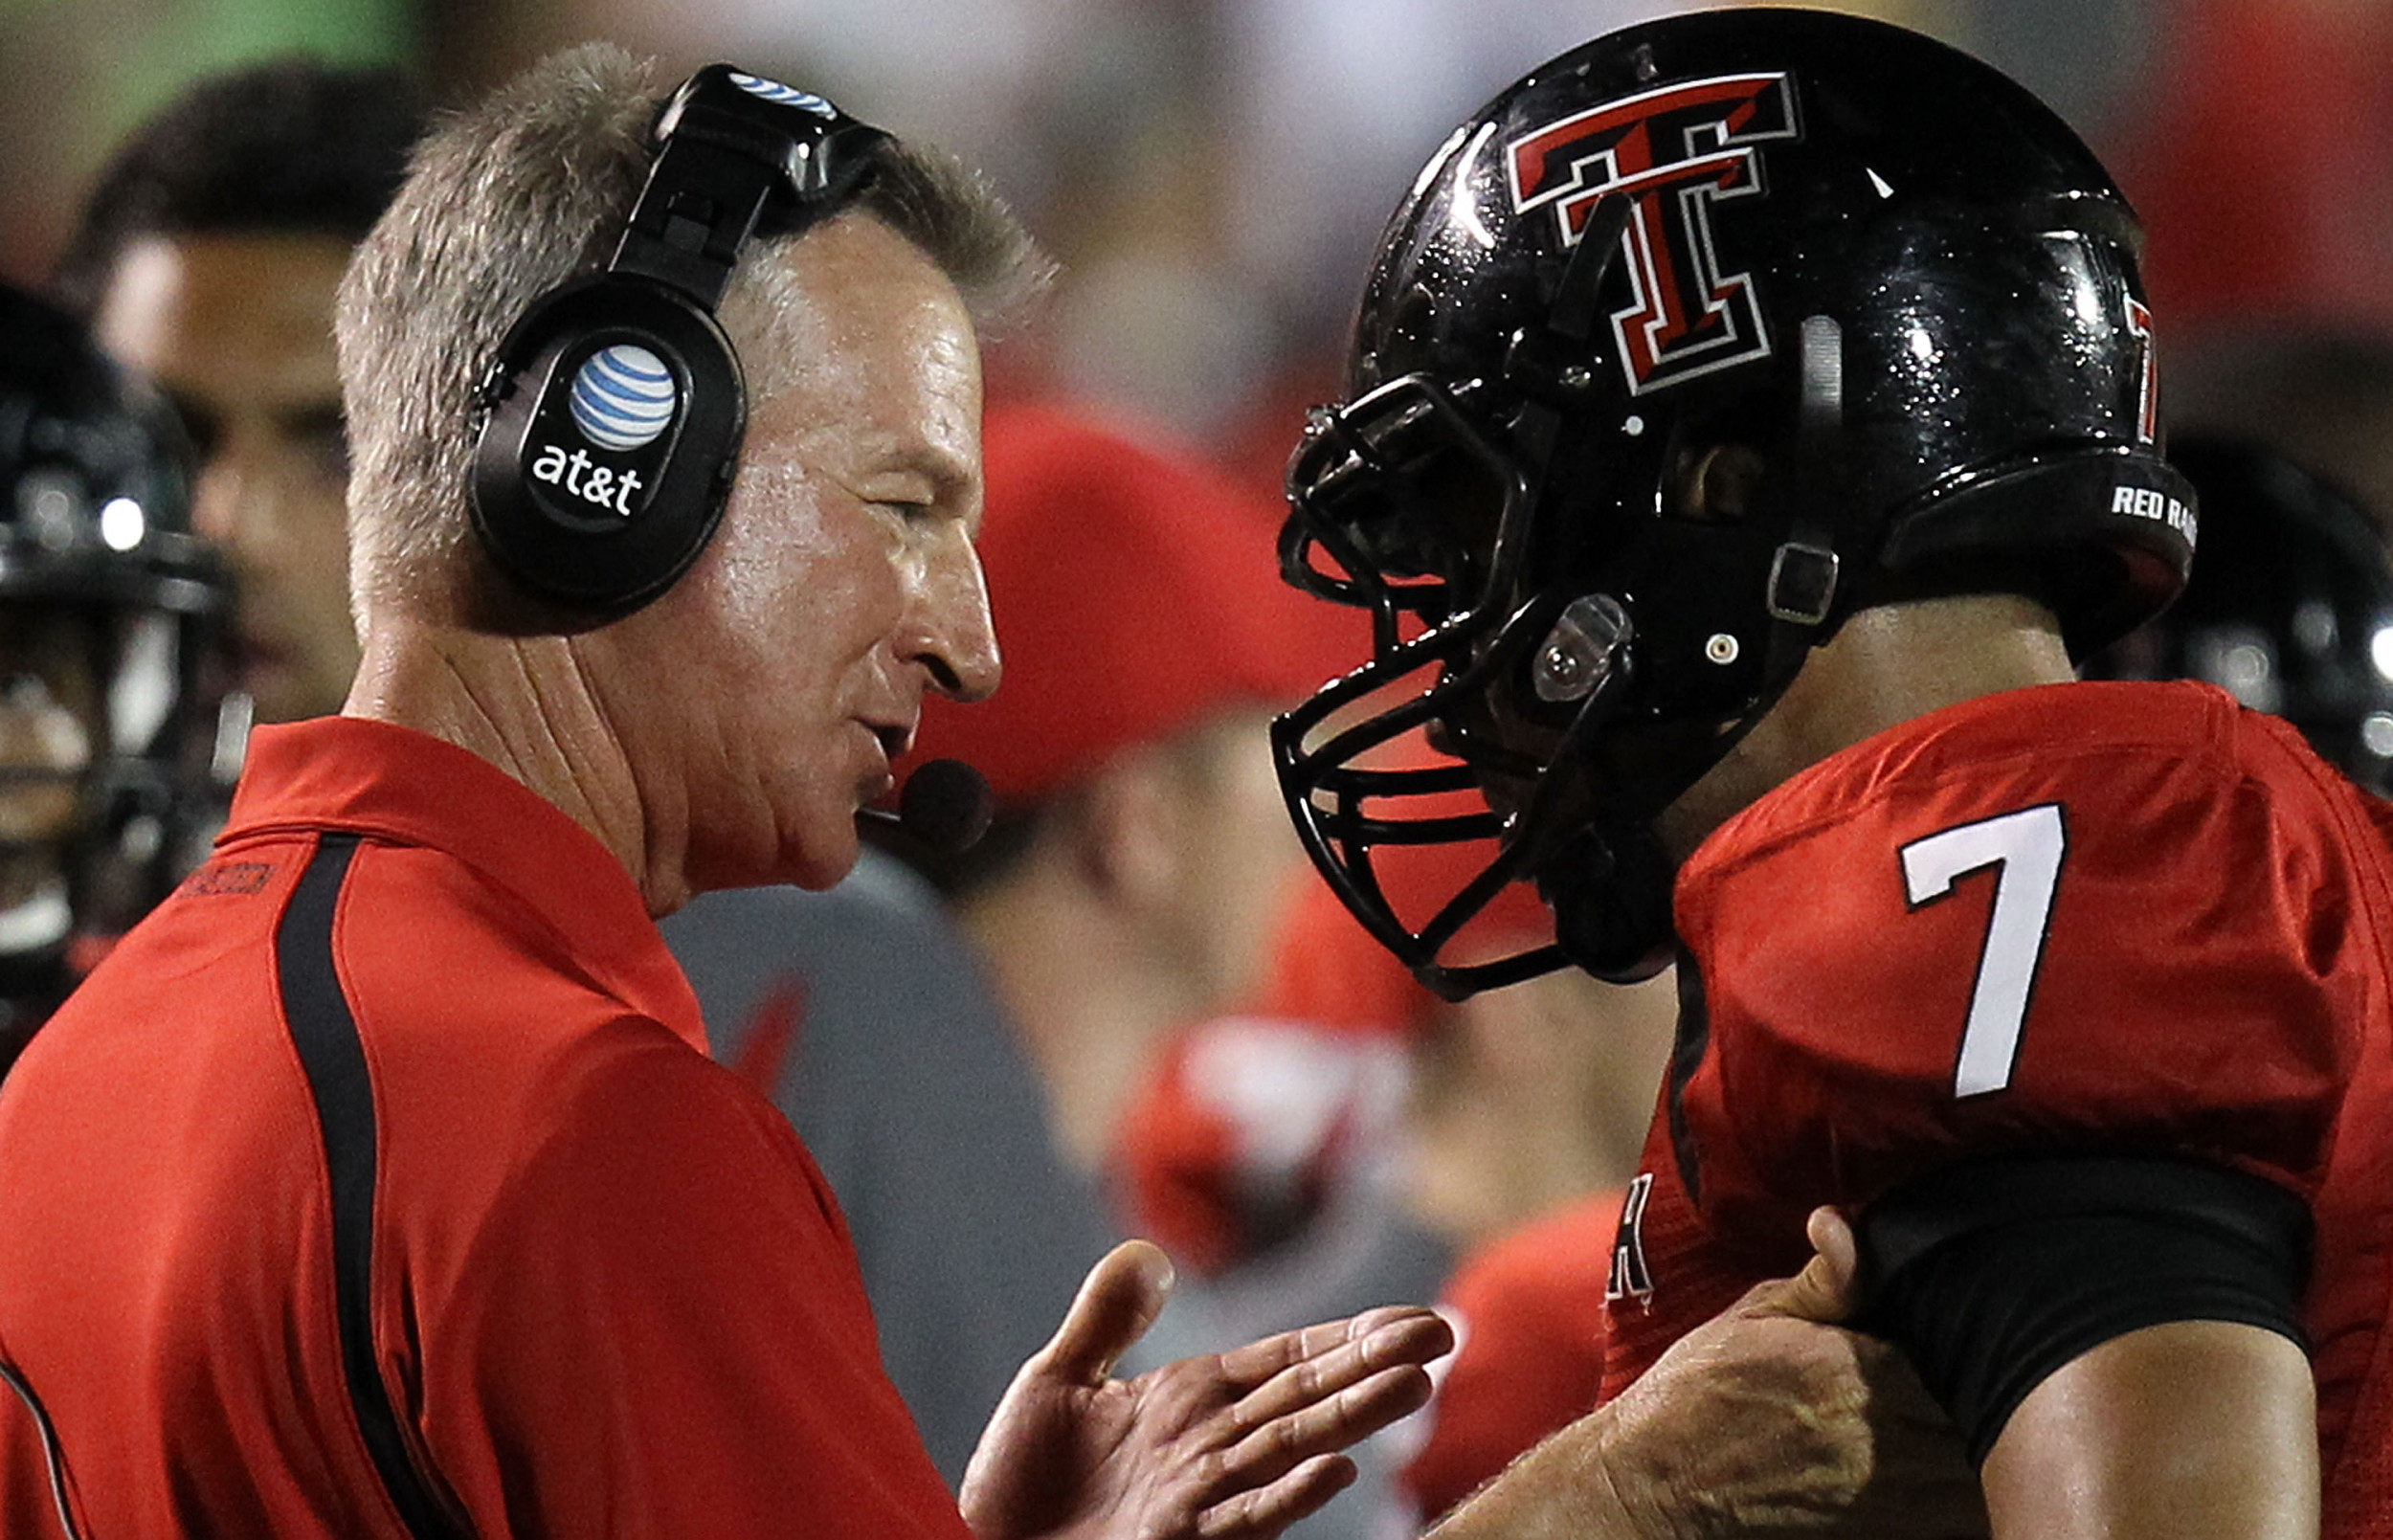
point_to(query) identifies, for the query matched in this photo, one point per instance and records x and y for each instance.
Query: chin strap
(1804, 572)
(1610, 894)
(1610, 884)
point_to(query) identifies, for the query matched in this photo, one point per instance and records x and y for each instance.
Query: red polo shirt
(406, 1071)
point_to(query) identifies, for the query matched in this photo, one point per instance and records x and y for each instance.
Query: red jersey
(602, 1289)
(2114, 918)
(1529, 1318)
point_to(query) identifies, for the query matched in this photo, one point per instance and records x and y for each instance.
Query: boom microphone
(944, 804)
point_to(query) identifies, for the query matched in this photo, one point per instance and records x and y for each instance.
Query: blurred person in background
(107, 609)
(206, 255)
(1568, 1067)
(1271, 1149)
(1531, 1098)
(1343, 1076)
(1350, 1130)
(1137, 870)
(1283, 1116)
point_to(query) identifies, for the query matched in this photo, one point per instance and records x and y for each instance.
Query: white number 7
(2025, 850)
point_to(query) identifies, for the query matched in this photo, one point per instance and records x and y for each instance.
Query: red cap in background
(1137, 593)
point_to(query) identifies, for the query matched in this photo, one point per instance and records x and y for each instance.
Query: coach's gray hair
(508, 199)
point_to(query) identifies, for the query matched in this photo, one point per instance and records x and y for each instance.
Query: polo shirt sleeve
(658, 1328)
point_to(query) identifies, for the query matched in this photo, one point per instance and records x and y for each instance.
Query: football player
(2288, 600)
(106, 605)
(1752, 416)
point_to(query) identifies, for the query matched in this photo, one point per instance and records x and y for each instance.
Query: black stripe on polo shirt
(325, 1032)
(15, 1380)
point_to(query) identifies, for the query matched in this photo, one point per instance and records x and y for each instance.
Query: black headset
(610, 421)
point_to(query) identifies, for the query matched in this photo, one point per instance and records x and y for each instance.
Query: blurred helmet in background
(2289, 608)
(111, 769)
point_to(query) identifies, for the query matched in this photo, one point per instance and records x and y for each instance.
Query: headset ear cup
(612, 423)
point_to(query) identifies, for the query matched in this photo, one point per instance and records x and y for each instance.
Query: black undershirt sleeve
(1991, 1274)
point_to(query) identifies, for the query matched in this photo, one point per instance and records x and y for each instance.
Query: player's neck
(1885, 667)
(1898, 661)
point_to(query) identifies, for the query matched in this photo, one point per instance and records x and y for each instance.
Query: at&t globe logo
(787, 96)
(622, 397)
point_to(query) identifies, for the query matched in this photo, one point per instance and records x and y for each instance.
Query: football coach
(379, 1185)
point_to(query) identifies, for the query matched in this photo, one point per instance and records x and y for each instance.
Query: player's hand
(1232, 1447)
(1768, 1421)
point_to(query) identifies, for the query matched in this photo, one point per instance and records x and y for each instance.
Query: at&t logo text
(586, 478)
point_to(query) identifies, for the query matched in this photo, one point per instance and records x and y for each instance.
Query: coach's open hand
(1236, 1446)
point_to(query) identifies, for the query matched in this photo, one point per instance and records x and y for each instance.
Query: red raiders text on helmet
(1673, 152)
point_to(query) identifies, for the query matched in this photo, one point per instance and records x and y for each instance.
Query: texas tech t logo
(1673, 152)
(2148, 390)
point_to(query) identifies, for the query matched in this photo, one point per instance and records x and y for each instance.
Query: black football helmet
(101, 581)
(2289, 608)
(1695, 342)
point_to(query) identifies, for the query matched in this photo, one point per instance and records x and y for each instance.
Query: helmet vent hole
(1718, 486)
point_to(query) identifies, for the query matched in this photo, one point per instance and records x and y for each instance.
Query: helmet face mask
(50, 732)
(110, 763)
(1689, 344)
(1410, 504)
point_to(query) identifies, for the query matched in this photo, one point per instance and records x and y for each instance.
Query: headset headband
(736, 152)
(614, 411)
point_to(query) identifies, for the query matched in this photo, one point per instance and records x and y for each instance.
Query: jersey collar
(395, 784)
